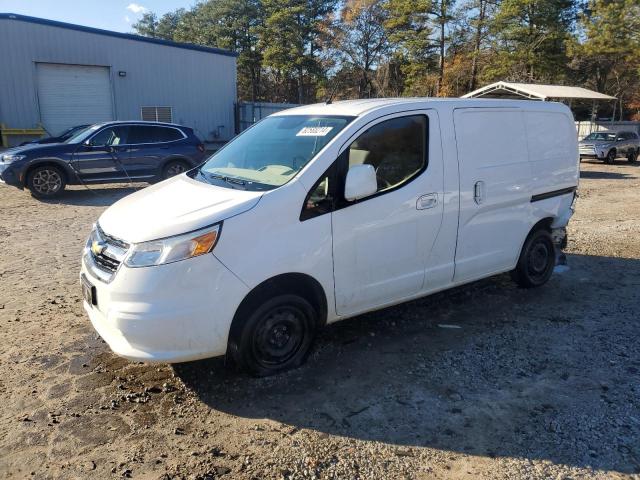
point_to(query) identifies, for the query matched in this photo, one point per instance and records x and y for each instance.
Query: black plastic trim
(554, 193)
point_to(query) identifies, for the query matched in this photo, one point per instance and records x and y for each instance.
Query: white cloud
(127, 19)
(135, 8)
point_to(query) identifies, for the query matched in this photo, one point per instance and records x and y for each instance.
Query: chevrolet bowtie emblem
(98, 247)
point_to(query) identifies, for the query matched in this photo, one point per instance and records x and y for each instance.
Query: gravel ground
(532, 384)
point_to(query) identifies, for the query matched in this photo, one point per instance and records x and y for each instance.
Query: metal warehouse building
(56, 75)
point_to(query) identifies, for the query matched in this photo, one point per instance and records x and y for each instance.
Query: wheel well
(176, 159)
(288, 283)
(544, 224)
(46, 163)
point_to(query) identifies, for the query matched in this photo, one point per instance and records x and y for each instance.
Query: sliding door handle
(479, 192)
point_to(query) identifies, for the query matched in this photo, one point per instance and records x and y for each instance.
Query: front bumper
(10, 175)
(169, 313)
(593, 152)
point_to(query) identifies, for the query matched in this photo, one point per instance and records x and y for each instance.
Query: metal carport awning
(537, 92)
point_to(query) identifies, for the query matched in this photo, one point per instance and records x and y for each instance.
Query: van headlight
(173, 249)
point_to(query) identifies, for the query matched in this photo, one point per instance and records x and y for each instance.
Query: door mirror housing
(361, 182)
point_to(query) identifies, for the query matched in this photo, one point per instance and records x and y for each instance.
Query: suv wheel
(276, 336)
(611, 156)
(173, 168)
(537, 260)
(633, 156)
(46, 181)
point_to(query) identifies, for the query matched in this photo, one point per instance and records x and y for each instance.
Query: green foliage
(411, 31)
(530, 37)
(302, 50)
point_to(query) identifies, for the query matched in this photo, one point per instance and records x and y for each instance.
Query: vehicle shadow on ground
(527, 373)
(604, 175)
(94, 196)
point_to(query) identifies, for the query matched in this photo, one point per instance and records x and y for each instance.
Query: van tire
(537, 260)
(277, 335)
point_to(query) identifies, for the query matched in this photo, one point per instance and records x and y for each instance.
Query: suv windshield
(83, 134)
(601, 136)
(271, 152)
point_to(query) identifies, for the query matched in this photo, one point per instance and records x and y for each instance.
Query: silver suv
(608, 146)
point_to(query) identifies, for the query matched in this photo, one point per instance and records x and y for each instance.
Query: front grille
(113, 253)
(106, 263)
(112, 240)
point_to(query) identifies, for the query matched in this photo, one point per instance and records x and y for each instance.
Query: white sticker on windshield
(314, 131)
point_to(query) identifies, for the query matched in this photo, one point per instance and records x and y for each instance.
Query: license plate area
(89, 292)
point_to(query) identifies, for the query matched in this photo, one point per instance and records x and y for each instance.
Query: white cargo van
(323, 212)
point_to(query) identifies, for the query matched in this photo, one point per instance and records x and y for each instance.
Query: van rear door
(495, 190)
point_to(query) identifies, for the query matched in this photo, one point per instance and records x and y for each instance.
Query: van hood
(173, 207)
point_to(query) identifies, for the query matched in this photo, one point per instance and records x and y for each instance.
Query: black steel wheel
(173, 168)
(277, 336)
(46, 181)
(537, 260)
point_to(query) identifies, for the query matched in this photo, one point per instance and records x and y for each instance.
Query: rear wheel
(173, 168)
(633, 156)
(46, 181)
(537, 260)
(611, 157)
(277, 335)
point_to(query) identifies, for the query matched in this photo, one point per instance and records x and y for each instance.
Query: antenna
(329, 100)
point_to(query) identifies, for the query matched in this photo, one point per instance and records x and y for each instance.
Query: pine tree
(530, 37)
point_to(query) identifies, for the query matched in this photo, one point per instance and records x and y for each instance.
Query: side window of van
(396, 148)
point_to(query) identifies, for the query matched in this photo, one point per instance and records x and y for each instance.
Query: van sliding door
(495, 190)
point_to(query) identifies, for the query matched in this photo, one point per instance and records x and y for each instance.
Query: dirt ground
(533, 384)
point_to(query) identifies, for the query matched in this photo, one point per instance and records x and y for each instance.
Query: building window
(157, 114)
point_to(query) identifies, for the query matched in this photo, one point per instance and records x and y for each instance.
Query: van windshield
(270, 153)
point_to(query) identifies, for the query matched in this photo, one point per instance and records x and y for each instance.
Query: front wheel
(277, 336)
(45, 182)
(537, 260)
(633, 156)
(611, 157)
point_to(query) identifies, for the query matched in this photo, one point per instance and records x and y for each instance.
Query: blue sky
(115, 15)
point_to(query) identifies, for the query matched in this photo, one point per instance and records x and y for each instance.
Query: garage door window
(157, 114)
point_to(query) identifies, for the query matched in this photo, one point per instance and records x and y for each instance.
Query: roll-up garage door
(71, 95)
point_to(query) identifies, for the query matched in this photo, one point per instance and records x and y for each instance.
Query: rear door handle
(429, 200)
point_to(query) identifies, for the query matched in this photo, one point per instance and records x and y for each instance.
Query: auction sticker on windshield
(314, 131)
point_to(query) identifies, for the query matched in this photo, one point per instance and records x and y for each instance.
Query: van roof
(360, 107)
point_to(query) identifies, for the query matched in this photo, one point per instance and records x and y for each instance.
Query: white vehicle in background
(607, 146)
(324, 212)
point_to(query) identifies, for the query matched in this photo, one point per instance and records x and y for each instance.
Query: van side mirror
(361, 182)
